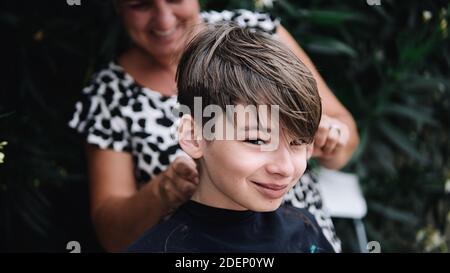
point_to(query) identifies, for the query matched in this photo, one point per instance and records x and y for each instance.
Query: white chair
(343, 198)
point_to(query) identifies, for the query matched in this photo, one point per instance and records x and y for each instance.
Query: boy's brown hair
(225, 64)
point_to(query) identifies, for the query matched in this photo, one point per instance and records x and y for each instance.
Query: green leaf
(410, 54)
(331, 47)
(394, 213)
(364, 136)
(384, 157)
(421, 83)
(416, 49)
(34, 209)
(9, 19)
(399, 139)
(287, 7)
(7, 114)
(419, 115)
(330, 17)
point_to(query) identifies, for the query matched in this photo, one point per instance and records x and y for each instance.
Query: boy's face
(238, 175)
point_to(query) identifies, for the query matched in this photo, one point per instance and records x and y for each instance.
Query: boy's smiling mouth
(272, 191)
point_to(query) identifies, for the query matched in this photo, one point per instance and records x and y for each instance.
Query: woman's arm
(337, 137)
(120, 212)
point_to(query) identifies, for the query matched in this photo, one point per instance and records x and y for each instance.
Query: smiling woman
(138, 173)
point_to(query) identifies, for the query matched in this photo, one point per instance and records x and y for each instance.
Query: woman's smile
(165, 36)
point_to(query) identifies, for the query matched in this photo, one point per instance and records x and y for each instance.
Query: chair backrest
(341, 194)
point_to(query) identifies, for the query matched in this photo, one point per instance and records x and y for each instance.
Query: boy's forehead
(261, 118)
(241, 118)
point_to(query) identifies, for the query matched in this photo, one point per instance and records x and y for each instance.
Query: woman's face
(159, 27)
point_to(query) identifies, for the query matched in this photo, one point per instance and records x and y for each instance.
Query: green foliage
(388, 64)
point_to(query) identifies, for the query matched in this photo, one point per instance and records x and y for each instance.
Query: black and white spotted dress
(117, 113)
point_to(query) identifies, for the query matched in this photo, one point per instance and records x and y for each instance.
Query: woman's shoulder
(109, 79)
(245, 18)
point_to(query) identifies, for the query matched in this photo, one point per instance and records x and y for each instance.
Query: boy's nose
(282, 162)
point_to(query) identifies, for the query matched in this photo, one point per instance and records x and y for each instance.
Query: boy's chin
(267, 206)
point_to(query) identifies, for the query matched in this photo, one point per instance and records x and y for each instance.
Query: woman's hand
(331, 137)
(179, 182)
(120, 211)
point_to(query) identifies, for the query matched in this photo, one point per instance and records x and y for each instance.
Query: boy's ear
(188, 137)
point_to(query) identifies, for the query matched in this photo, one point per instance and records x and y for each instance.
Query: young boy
(247, 159)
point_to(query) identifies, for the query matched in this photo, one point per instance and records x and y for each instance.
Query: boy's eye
(298, 142)
(255, 141)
